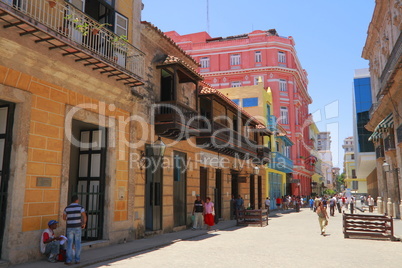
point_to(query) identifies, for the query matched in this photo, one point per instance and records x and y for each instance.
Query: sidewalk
(102, 254)
(96, 255)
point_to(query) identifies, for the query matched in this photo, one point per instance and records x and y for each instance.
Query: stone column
(380, 208)
(390, 209)
(382, 183)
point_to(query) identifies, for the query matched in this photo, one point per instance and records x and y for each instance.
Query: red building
(239, 61)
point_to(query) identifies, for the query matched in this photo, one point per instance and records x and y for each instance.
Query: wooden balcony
(264, 154)
(224, 140)
(64, 28)
(175, 120)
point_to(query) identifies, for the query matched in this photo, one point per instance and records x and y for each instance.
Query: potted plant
(96, 29)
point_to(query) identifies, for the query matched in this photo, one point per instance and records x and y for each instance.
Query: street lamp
(158, 148)
(387, 168)
(256, 170)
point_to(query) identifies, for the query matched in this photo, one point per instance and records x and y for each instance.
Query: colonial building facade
(257, 101)
(118, 115)
(383, 49)
(240, 60)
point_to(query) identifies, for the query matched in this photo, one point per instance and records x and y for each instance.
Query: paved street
(290, 240)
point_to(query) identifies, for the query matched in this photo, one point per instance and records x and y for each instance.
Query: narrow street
(290, 240)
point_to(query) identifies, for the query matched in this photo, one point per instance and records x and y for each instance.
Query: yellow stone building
(87, 103)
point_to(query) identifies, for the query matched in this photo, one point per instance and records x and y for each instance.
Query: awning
(383, 126)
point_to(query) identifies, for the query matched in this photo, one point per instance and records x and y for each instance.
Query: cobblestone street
(290, 240)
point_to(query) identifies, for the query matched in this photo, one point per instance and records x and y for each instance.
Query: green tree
(340, 180)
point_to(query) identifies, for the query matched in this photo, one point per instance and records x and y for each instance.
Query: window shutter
(120, 25)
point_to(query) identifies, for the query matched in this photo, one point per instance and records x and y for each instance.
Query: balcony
(224, 140)
(379, 151)
(281, 162)
(272, 122)
(388, 73)
(389, 143)
(264, 154)
(399, 134)
(175, 120)
(64, 28)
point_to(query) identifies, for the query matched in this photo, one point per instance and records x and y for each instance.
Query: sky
(329, 35)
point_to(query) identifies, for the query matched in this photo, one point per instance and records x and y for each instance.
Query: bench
(375, 226)
(249, 217)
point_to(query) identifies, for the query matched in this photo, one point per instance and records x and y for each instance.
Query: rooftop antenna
(208, 16)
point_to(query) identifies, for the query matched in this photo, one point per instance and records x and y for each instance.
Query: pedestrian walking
(284, 203)
(339, 204)
(345, 205)
(316, 203)
(233, 207)
(278, 203)
(332, 204)
(239, 203)
(209, 213)
(267, 204)
(76, 219)
(324, 202)
(370, 202)
(311, 203)
(322, 217)
(198, 213)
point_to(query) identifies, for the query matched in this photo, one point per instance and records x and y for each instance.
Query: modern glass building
(363, 102)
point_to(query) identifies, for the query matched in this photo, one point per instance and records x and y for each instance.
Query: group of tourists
(203, 212)
(54, 246)
(290, 201)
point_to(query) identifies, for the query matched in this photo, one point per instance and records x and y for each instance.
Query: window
(297, 116)
(352, 156)
(121, 25)
(236, 84)
(237, 101)
(250, 102)
(204, 61)
(256, 80)
(235, 59)
(284, 115)
(281, 57)
(282, 85)
(353, 173)
(287, 151)
(167, 86)
(258, 56)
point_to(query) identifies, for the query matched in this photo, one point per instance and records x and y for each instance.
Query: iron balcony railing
(399, 134)
(389, 143)
(77, 27)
